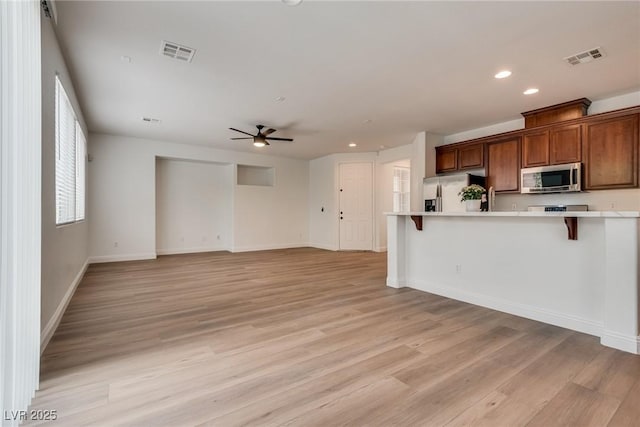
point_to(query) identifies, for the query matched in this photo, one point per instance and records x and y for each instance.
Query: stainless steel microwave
(551, 179)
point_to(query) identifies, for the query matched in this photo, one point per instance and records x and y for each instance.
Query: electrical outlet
(458, 268)
(514, 206)
(218, 237)
(115, 244)
(613, 205)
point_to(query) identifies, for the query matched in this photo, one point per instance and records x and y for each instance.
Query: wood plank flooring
(306, 337)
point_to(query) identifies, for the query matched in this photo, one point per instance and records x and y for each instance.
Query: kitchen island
(577, 270)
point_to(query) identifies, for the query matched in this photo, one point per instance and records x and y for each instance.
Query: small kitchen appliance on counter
(558, 208)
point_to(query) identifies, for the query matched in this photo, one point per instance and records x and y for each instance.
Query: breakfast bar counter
(577, 270)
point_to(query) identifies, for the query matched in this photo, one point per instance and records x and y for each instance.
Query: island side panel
(621, 284)
(520, 265)
(396, 253)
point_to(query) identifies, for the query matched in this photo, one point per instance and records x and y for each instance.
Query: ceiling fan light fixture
(259, 143)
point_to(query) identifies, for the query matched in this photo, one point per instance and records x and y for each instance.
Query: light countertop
(577, 214)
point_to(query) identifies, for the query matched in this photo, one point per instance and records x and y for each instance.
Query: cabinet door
(610, 153)
(471, 156)
(446, 159)
(535, 149)
(565, 144)
(503, 161)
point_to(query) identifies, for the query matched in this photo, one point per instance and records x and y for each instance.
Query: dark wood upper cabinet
(607, 144)
(610, 153)
(446, 159)
(556, 113)
(565, 144)
(471, 156)
(535, 149)
(503, 165)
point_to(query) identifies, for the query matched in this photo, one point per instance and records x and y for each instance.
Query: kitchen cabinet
(535, 149)
(471, 156)
(503, 165)
(565, 144)
(552, 146)
(610, 153)
(446, 159)
(466, 156)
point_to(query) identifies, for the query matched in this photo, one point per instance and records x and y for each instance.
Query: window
(401, 188)
(70, 161)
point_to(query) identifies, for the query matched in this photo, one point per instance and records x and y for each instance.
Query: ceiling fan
(262, 138)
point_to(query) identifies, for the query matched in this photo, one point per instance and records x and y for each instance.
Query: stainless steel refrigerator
(441, 192)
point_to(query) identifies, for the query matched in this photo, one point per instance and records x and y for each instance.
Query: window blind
(70, 161)
(81, 154)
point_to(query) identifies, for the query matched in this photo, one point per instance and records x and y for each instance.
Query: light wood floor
(307, 337)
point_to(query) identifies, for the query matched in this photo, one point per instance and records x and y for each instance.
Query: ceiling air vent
(586, 56)
(151, 120)
(176, 51)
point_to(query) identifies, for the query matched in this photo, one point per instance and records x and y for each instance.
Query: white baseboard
(627, 343)
(126, 257)
(269, 247)
(52, 324)
(395, 283)
(323, 246)
(523, 310)
(381, 249)
(178, 251)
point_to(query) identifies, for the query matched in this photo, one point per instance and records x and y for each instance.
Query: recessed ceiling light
(280, 98)
(367, 121)
(125, 58)
(382, 146)
(353, 144)
(531, 91)
(503, 74)
(292, 2)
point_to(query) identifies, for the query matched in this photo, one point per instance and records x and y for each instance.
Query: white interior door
(356, 206)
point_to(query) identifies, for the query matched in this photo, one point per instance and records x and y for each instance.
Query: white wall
(324, 226)
(123, 206)
(64, 248)
(193, 206)
(273, 217)
(324, 231)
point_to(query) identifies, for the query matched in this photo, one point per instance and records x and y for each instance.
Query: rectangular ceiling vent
(176, 51)
(586, 56)
(151, 120)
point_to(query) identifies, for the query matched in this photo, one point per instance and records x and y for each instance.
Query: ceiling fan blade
(241, 138)
(268, 132)
(279, 139)
(241, 131)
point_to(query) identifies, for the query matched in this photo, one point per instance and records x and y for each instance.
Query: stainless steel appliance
(551, 179)
(441, 192)
(558, 208)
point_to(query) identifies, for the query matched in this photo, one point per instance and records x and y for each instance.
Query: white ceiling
(406, 66)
